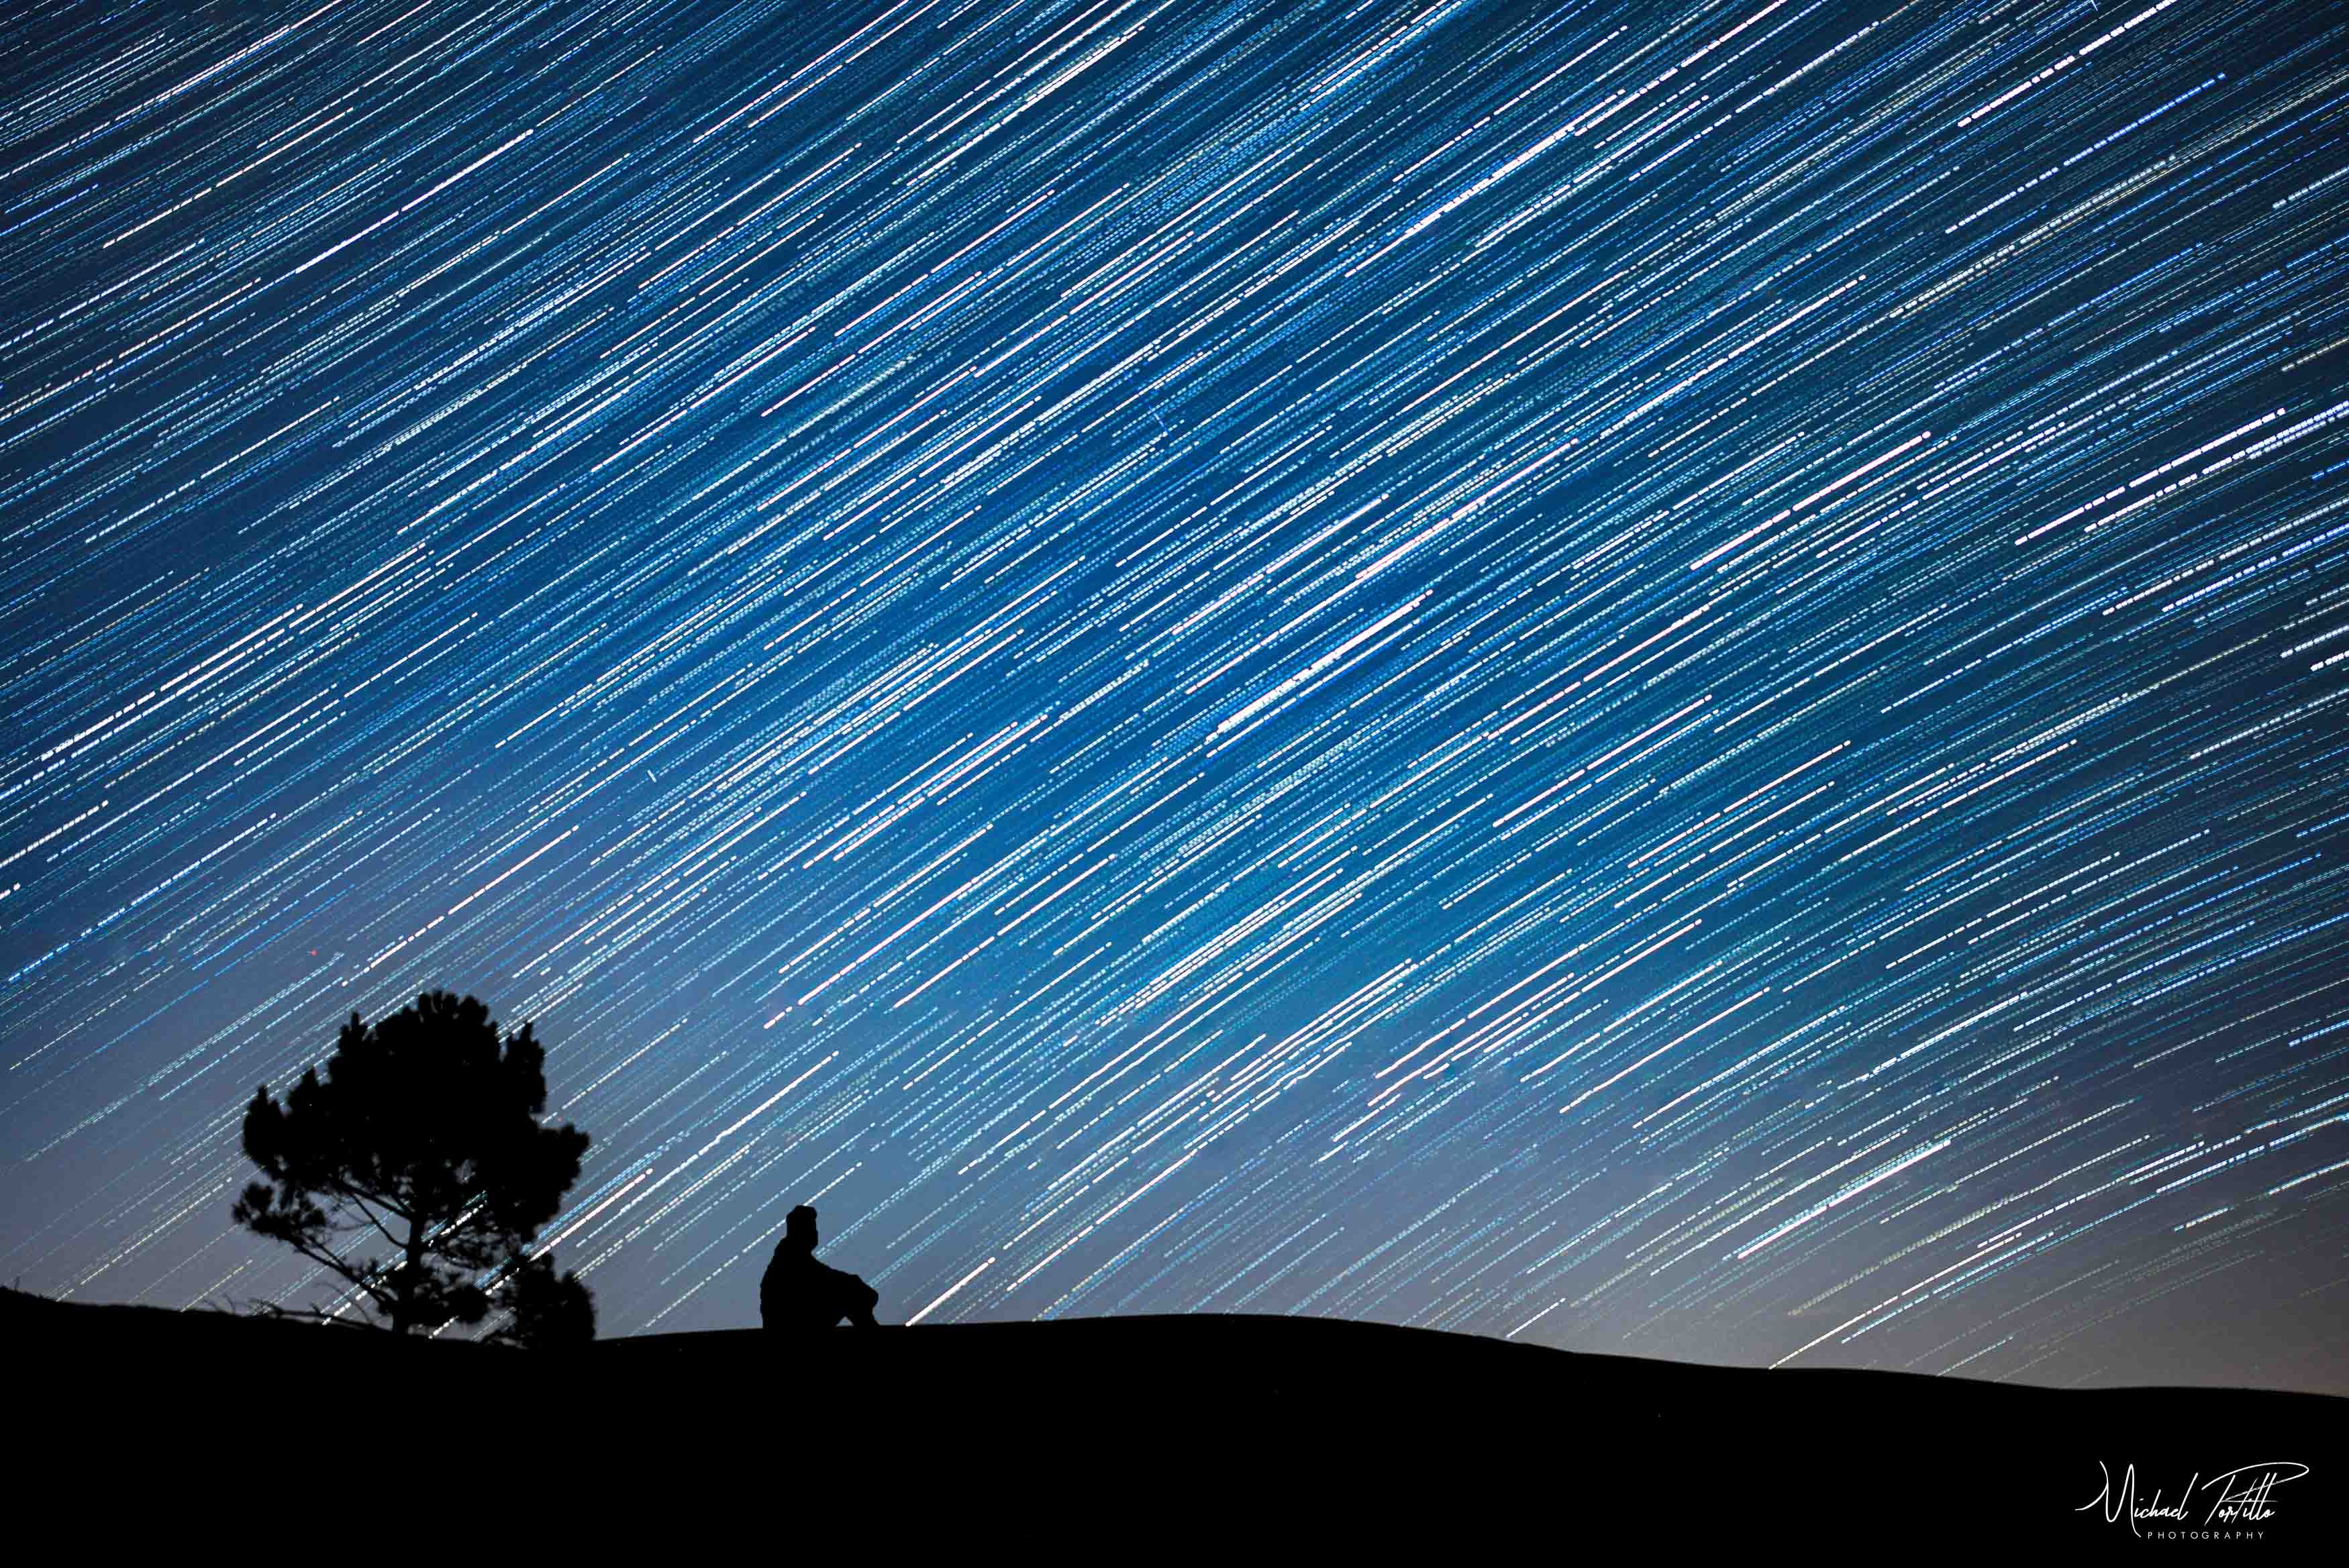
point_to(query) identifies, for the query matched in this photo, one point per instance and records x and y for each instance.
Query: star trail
(1668, 678)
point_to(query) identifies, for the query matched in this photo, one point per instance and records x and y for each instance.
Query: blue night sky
(1668, 678)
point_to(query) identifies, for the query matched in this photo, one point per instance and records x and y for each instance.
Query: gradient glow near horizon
(1665, 678)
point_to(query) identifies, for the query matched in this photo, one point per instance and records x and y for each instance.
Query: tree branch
(356, 1278)
(352, 1196)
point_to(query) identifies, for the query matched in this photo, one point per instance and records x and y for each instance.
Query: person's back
(799, 1292)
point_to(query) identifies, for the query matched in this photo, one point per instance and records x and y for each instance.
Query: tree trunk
(410, 1276)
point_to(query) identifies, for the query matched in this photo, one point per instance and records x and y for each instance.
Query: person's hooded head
(799, 1229)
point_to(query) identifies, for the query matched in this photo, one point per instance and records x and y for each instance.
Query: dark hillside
(1276, 1406)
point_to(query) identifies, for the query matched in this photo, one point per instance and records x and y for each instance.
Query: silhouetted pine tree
(547, 1313)
(423, 1135)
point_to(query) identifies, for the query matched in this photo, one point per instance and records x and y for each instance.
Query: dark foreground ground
(1182, 1435)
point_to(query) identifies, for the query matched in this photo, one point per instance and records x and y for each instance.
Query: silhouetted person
(797, 1293)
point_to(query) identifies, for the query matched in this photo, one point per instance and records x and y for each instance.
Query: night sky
(1665, 678)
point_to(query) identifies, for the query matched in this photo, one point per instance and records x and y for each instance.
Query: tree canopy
(417, 1169)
